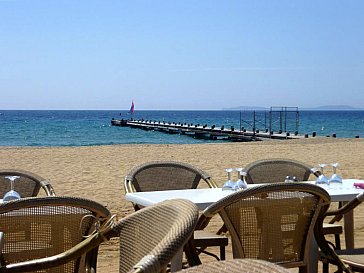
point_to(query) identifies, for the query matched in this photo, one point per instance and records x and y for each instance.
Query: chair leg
(337, 241)
(222, 253)
(191, 254)
(338, 247)
(325, 267)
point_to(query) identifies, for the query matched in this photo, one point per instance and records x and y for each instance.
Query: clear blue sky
(180, 54)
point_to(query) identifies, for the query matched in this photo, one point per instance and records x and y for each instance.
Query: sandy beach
(97, 172)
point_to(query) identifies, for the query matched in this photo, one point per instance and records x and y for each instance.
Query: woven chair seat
(237, 266)
(204, 239)
(209, 239)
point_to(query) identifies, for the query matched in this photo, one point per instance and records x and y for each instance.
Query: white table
(205, 197)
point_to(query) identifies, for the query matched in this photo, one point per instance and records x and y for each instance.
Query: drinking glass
(228, 185)
(322, 179)
(335, 178)
(241, 183)
(12, 194)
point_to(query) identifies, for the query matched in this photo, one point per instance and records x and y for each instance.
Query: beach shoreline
(97, 172)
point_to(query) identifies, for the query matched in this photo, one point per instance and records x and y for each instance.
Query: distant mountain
(333, 108)
(318, 108)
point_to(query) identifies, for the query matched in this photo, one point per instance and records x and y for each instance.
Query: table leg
(349, 229)
(176, 263)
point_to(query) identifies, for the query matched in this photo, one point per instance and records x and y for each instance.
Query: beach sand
(97, 172)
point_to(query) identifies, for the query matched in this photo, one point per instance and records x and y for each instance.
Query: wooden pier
(208, 132)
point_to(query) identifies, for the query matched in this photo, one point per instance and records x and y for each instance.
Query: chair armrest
(47, 186)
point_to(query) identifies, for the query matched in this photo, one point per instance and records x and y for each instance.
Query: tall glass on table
(322, 179)
(241, 183)
(229, 184)
(335, 180)
(12, 194)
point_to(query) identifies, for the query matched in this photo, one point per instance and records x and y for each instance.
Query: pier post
(254, 124)
(240, 122)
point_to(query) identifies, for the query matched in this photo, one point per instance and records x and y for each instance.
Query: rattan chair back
(35, 228)
(276, 170)
(150, 237)
(272, 222)
(165, 175)
(27, 185)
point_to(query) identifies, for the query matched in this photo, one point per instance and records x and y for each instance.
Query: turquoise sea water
(83, 128)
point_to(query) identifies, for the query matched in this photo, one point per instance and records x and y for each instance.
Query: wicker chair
(149, 250)
(172, 175)
(142, 248)
(276, 169)
(27, 185)
(347, 260)
(237, 266)
(272, 222)
(38, 227)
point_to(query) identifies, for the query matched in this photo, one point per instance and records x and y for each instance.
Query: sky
(180, 55)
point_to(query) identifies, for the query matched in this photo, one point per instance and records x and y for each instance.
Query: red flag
(132, 108)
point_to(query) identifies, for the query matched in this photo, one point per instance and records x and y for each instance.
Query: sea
(91, 127)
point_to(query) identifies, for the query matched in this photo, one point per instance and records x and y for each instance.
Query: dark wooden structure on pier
(277, 119)
(205, 131)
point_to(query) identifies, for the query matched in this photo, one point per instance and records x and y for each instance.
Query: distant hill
(318, 108)
(333, 108)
